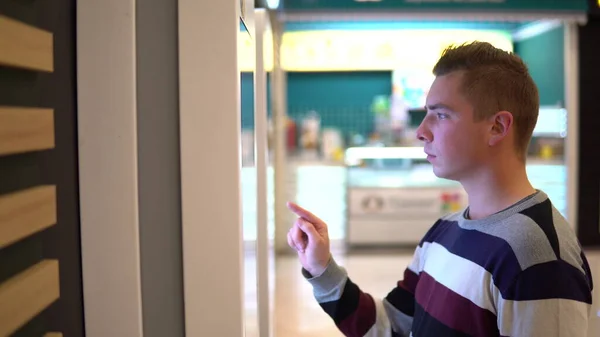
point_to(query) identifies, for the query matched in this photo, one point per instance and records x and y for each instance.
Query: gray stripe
(401, 323)
(527, 240)
(537, 198)
(567, 241)
(329, 286)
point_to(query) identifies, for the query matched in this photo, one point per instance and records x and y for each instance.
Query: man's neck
(494, 190)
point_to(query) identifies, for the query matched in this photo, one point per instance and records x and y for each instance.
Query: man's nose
(423, 133)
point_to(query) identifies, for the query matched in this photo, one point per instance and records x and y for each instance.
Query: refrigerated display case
(393, 196)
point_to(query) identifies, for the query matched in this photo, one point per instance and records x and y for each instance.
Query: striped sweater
(520, 272)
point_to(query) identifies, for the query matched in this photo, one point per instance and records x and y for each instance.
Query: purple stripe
(490, 252)
(425, 325)
(409, 283)
(554, 279)
(453, 310)
(362, 319)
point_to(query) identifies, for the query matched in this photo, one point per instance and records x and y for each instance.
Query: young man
(507, 265)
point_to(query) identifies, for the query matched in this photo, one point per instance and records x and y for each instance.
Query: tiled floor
(297, 314)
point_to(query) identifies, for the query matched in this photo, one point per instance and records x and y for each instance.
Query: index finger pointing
(301, 212)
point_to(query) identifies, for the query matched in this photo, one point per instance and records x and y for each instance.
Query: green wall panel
(342, 99)
(544, 55)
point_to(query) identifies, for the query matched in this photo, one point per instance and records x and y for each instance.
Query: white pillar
(210, 124)
(108, 176)
(571, 56)
(261, 151)
(280, 167)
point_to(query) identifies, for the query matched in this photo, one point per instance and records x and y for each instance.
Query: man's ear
(501, 124)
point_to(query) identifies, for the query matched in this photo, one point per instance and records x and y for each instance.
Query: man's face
(456, 145)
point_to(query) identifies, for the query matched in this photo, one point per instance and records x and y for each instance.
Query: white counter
(322, 189)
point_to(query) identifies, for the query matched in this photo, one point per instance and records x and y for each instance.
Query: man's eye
(442, 115)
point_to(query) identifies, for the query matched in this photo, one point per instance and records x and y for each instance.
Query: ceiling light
(273, 4)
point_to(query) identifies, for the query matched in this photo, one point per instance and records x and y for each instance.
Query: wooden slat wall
(24, 46)
(24, 296)
(25, 213)
(25, 129)
(28, 211)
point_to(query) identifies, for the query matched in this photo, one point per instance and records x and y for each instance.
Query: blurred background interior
(356, 79)
(181, 128)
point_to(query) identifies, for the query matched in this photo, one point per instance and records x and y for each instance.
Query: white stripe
(416, 266)
(460, 275)
(543, 318)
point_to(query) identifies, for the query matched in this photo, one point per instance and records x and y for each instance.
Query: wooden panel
(24, 296)
(25, 46)
(53, 334)
(26, 129)
(26, 212)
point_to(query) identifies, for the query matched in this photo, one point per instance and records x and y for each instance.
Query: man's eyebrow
(438, 106)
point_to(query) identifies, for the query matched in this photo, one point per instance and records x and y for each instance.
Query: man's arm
(551, 299)
(357, 313)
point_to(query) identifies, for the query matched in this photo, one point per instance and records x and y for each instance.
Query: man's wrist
(316, 272)
(329, 284)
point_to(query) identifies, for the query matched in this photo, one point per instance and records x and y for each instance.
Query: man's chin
(443, 174)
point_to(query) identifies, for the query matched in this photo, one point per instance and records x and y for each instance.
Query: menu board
(368, 50)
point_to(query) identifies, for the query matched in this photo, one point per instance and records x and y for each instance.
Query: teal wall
(544, 55)
(247, 100)
(342, 99)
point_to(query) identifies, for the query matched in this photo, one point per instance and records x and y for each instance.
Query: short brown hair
(495, 80)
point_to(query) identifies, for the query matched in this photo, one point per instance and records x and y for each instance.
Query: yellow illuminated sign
(247, 55)
(331, 50)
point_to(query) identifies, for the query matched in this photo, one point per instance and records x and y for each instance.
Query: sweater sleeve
(550, 299)
(358, 314)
